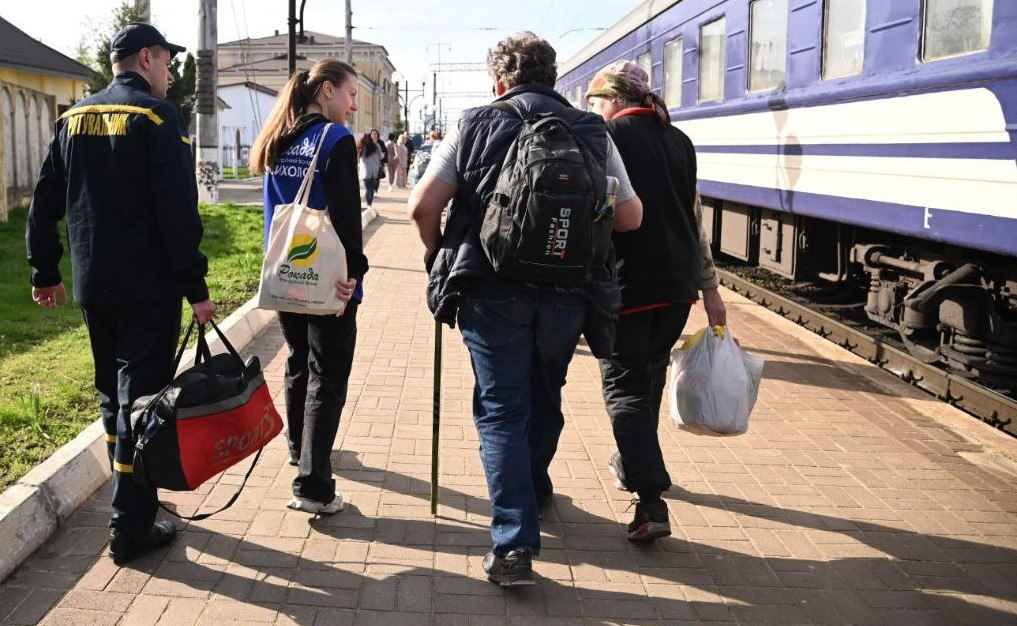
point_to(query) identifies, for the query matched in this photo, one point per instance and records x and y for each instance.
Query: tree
(398, 127)
(181, 92)
(94, 51)
(95, 48)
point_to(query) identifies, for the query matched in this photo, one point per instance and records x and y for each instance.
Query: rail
(992, 408)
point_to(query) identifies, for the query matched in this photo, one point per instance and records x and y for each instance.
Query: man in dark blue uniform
(119, 170)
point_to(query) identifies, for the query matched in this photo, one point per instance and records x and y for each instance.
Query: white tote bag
(304, 258)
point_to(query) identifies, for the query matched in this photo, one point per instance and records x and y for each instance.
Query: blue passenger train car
(852, 142)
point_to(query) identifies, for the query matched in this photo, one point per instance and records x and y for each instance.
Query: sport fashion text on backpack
(547, 221)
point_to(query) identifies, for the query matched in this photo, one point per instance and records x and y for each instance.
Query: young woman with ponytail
(320, 347)
(662, 267)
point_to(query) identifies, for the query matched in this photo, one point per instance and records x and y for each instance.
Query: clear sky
(414, 32)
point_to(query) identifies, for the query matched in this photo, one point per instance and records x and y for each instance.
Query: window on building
(843, 38)
(673, 72)
(712, 42)
(768, 37)
(954, 27)
(645, 61)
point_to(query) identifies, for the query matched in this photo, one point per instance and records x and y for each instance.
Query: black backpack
(547, 221)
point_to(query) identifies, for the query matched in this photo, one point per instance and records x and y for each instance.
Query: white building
(248, 107)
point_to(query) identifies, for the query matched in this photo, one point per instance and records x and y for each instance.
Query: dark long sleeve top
(119, 171)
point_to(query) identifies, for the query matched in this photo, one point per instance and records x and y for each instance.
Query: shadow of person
(896, 573)
(400, 564)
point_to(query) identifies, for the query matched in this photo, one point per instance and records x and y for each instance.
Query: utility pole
(144, 9)
(406, 107)
(291, 52)
(206, 105)
(348, 42)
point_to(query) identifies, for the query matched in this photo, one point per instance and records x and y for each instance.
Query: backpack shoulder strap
(509, 107)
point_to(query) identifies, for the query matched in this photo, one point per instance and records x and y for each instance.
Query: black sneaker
(124, 547)
(515, 569)
(650, 522)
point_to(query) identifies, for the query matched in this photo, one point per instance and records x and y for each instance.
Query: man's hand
(716, 312)
(203, 311)
(344, 289)
(49, 296)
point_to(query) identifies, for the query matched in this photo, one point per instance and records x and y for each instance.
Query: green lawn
(227, 173)
(46, 393)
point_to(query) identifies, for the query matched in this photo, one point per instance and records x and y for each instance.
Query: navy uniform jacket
(119, 169)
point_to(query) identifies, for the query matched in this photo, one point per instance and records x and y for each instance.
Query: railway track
(993, 408)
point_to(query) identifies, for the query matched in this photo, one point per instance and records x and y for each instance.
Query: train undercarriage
(953, 306)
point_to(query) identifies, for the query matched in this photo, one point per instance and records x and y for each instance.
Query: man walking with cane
(520, 336)
(119, 169)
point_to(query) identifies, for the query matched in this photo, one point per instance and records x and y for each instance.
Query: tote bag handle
(304, 193)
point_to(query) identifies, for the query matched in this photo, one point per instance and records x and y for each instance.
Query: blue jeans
(370, 188)
(521, 340)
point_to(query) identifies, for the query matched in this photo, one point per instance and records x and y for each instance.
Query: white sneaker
(390, 188)
(618, 471)
(316, 508)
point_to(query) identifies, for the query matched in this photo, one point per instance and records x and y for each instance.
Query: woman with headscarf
(662, 267)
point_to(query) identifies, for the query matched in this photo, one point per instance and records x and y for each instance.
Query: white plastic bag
(714, 384)
(305, 257)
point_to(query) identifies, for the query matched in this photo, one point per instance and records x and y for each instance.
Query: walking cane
(435, 418)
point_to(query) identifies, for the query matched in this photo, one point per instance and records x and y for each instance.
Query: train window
(954, 27)
(843, 38)
(673, 73)
(768, 34)
(712, 43)
(645, 61)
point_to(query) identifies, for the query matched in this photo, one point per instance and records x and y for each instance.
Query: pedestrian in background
(520, 337)
(383, 153)
(662, 267)
(320, 346)
(391, 160)
(403, 159)
(370, 164)
(119, 171)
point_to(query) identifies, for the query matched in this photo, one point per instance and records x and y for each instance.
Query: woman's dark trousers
(317, 375)
(633, 385)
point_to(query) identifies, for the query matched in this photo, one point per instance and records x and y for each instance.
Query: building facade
(263, 61)
(37, 83)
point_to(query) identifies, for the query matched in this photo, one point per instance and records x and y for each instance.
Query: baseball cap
(136, 36)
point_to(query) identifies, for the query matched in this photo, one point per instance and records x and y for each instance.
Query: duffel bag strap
(201, 516)
(183, 345)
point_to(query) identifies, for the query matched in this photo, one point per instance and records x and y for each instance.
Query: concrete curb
(32, 508)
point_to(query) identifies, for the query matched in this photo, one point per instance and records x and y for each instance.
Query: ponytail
(292, 102)
(655, 102)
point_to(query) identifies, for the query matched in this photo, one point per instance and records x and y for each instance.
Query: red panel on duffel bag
(215, 442)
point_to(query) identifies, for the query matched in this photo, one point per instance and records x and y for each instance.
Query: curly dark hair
(523, 59)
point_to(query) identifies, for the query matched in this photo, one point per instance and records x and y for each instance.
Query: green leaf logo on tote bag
(303, 250)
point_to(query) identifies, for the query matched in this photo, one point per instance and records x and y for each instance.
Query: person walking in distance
(369, 153)
(520, 336)
(661, 269)
(310, 114)
(119, 172)
(403, 158)
(391, 160)
(383, 154)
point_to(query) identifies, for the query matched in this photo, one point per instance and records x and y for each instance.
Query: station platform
(853, 499)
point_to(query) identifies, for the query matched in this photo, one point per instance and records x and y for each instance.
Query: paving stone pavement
(853, 499)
